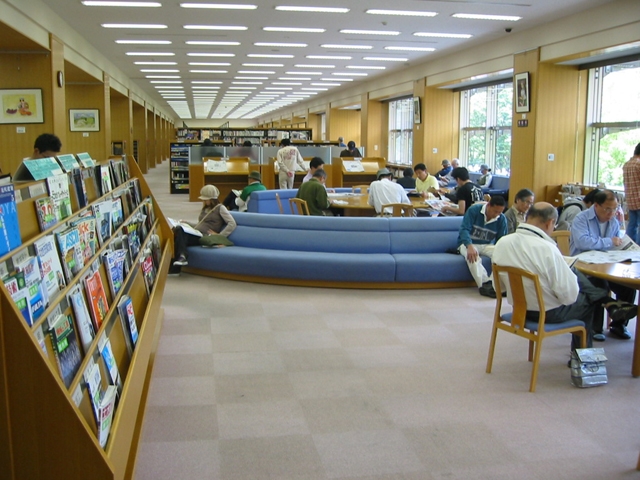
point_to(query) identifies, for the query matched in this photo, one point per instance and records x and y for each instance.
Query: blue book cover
(9, 227)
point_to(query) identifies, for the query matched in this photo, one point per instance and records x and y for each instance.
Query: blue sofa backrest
(500, 184)
(311, 234)
(435, 235)
(265, 201)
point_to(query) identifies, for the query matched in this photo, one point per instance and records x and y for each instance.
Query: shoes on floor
(622, 311)
(486, 290)
(181, 261)
(619, 331)
(598, 337)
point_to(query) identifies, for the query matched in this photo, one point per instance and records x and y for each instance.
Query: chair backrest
(515, 277)
(362, 188)
(279, 203)
(398, 209)
(562, 239)
(298, 206)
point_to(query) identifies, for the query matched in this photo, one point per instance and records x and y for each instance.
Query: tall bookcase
(46, 429)
(179, 168)
(257, 136)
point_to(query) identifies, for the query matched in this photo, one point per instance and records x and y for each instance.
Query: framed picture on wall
(21, 105)
(417, 111)
(523, 99)
(84, 120)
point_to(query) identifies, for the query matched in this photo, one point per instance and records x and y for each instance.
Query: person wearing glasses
(517, 214)
(598, 229)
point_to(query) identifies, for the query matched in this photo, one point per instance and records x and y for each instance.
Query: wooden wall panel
(25, 70)
(418, 153)
(120, 127)
(345, 123)
(58, 102)
(371, 127)
(441, 126)
(315, 124)
(87, 96)
(140, 135)
(151, 140)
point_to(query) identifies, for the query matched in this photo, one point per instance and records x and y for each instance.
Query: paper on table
(613, 256)
(339, 202)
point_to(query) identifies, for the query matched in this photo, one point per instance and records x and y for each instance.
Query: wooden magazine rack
(46, 429)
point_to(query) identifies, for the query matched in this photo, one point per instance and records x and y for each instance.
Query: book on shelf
(93, 379)
(105, 414)
(104, 345)
(97, 298)
(87, 230)
(45, 212)
(20, 297)
(116, 267)
(117, 214)
(105, 179)
(79, 187)
(86, 160)
(59, 193)
(128, 320)
(68, 162)
(34, 284)
(9, 226)
(65, 348)
(70, 252)
(50, 266)
(83, 320)
(134, 187)
(148, 270)
(132, 231)
(102, 212)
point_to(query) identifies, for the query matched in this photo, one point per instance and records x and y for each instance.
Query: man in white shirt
(287, 158)
(567, 293)
(384, 191)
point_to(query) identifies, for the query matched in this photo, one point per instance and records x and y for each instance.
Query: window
(401, 131)
(485, 127)
(613, 121)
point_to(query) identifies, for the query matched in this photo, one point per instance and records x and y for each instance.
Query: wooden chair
(298, 206)
(279, 204)
(399, 209)
(517, 323)
(362, 188)
(562, 239)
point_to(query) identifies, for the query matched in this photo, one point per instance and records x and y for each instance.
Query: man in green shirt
(255, 185)
(315, 194)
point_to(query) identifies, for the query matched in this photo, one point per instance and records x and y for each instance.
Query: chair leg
(492, 348)
(536, 363)
(638, 466)
(531, 347)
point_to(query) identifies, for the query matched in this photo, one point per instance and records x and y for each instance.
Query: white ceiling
(229, 102)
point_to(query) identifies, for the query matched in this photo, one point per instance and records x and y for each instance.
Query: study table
(627, 274)
(358, 204)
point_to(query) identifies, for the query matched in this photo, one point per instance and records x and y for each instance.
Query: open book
(185, 226)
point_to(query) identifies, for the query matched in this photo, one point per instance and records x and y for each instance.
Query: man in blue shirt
(482, 226)
(597, 229)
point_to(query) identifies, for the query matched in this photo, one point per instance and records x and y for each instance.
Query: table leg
(635, 365)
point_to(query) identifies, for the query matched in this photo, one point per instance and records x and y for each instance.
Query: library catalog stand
(49, 430)
(234, 178)
(344, 178)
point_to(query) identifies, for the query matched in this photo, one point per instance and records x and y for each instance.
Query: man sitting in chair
(567, 293)
(384, 191)
(315, 194)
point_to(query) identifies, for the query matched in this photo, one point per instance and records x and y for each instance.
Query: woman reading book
(214, 219)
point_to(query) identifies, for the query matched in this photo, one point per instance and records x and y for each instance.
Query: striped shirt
(631, 175)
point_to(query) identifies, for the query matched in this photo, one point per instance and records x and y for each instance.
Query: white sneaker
(180, 262)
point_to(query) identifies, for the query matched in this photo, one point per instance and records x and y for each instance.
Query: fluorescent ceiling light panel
(369, 32)
(294, 29)
(263, 64)
(326, 84)
(208, 71)
(286, 83)
(442, 35)
(247, 83)
(157, 70)
(303, 73)
(315, 89)
(251, 78)
(312, 9)
(242, 88)
(162, 76)
(215, 27)
(219, 6)
(269, 55)
(352, 47)
(352, 74)
(411, 49)
(328, 57)
(208, 82)
(407, 13)
(198, 54)
(206, 42)
(300, 65)
(280, 44)
(386, 59)
(150, 54)
(282, 89)
(338, 79)
(257, 72)
(209, 64)
(475, 16)
(365, 67)
(204, 87)
(293, 78)
(143, 42)
(166, 81)
(155, 63)
(279, 92)
(168, 87)
(133, 25)
(106, 3)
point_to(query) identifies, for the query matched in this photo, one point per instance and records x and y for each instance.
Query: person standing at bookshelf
(214, 219)
(287, 158)
(46, 145)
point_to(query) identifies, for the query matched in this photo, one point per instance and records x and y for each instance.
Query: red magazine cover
(97, 298)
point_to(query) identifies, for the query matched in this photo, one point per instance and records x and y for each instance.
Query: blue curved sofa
(264, 201)
(338, 252)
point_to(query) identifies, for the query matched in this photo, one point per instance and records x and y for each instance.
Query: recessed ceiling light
(328, 57)
(408, 13)
(294, 29)
(206, 42)
(286, 83)
(300, 65)
(219, 6)
(155, 63)
(366, 67)
(338, 79)
(351, 74)
(386, 59)
(313, 9)
(442, 35)
(162, 76)
(133, 25)
(106, 3)
(208, 71)
(369, 32)
(197, 54)
(209, 82)
(150, 54)
(157, 70)
(475, 16)
(411, 49)
(354, 47)
(143, 42)
(251, 78)
(269, 55)
(210, 64)
(257, 72)
(214, 27)
(280, 44)
(263, 64)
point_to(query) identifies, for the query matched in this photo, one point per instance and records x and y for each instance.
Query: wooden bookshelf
(49, 430)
